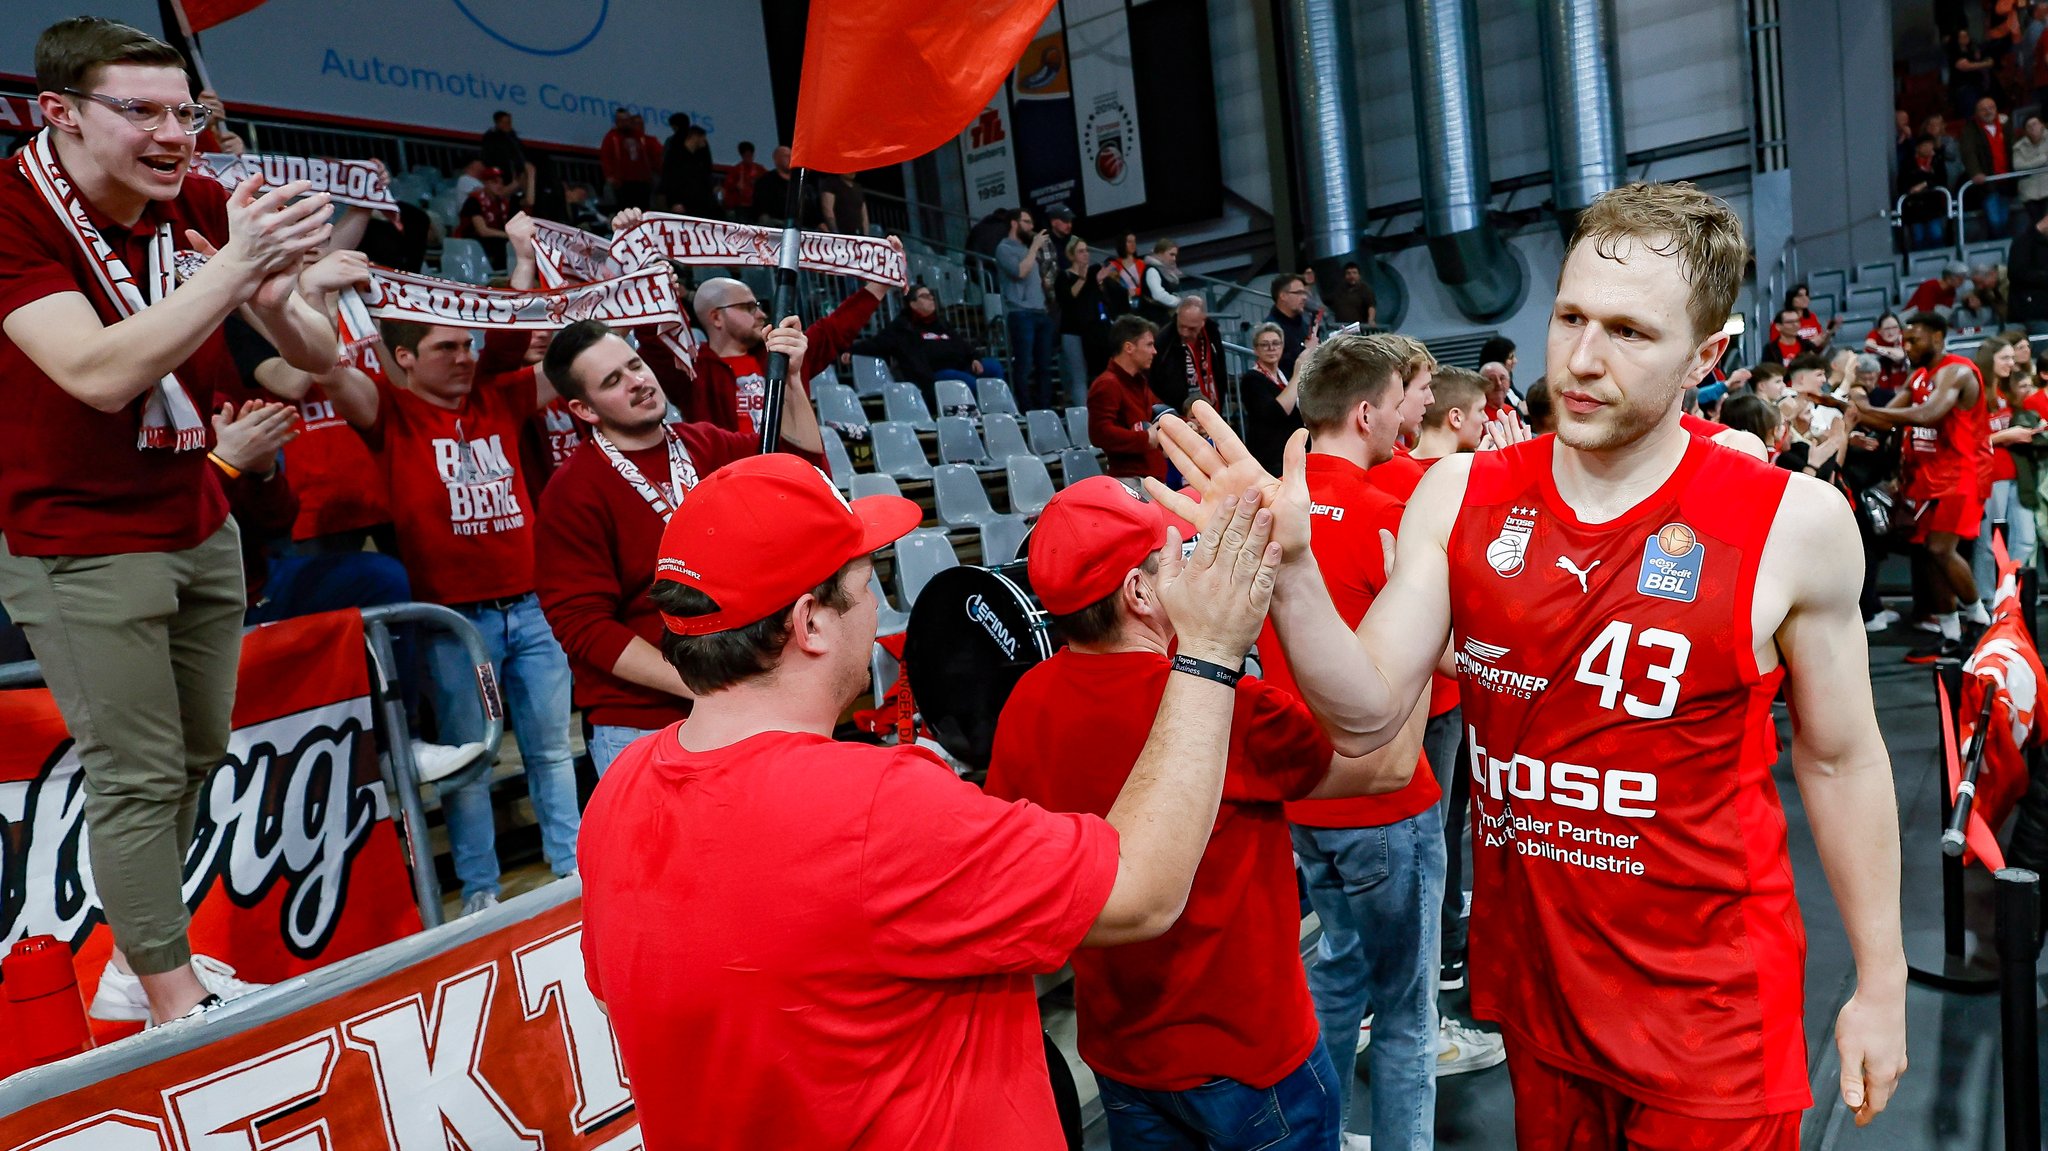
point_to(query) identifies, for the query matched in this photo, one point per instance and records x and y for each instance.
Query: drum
(973, 633)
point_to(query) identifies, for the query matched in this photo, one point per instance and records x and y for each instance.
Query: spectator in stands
(1750, 412)
(910, 904)
(1456, 419)
(1212, 1022)
(1811, 329)
(1500, 392)
(1314, 304)
(448, 446)
(1987, 280)
(247, 444)
(738, 188)
(921, 346)
(1268, 397)
(503, 150)
(630, 159)
(1159, 299)
(1084, 320)
(1498, 349)
(1130, 276)
(771, 188)
(1987, 152)
(1970, 72)
(2030, 154)
(1030, 326)
(120, 561)
(1059, 224)
(1786, 342)
(1887, 341)
(1189, 365)
(483, 216)
(580, 209)
(845, 205)
(1970, 313)
(1938, 294)
(1767, 379)
(601, 522)
(2026, 267)
(1542, 420)
(1290, 296)
(731, 379)
(1121, 404)
(686, 177)
(1353, 301)
(1935, 127)
(2003, 397)
(1924, 204)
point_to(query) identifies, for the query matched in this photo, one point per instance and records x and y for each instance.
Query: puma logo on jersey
(1566, 563)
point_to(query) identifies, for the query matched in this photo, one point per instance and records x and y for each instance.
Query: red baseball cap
(760, 532)
(1089, 537)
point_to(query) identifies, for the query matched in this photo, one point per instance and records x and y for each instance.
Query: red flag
(888, 80)
(204, 14)
(2007, 665)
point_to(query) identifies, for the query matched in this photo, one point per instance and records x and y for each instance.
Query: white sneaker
(1930, 624)
(1977, 614)
(1461, 1048)
(1353, 1141)
(1881, 621)
(481, 901)
(120, 997)
(1364, 1034)
(435, 761)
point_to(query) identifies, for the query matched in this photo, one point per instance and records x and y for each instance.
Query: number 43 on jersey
(1606, 658)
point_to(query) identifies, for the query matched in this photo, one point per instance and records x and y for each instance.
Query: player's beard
(1616, 424)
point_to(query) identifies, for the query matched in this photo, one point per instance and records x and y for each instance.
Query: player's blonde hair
(1348, 369)
(1675, 220)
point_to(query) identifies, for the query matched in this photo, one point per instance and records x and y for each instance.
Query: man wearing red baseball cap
(812, 944)
(1210, 1025)
(484, 214)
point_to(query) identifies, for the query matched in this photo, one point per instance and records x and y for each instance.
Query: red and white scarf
(169, 417)
(682, 473)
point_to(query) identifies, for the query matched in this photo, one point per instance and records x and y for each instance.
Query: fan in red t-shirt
(886, 1002)
(1215, 1011)
(602, 516)
(448, 444)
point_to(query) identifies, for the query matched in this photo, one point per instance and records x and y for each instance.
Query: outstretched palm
(1222, 466)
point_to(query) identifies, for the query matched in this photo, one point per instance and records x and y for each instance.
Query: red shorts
(1959, 515)
(1556, 1110)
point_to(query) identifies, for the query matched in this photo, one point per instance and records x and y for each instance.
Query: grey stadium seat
(1048, 435)
(905, 404)
(961, 500)
(954, 399)
(994, 396)
(1030, 485)
(1078, 464)
(1003, 436)
(958, 443)
(921, 555)
(897, 452)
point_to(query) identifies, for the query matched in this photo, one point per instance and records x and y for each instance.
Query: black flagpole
(785, 304)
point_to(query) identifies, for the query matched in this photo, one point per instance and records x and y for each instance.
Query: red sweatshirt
(595, 563)
(714, 397)
(1117, 403)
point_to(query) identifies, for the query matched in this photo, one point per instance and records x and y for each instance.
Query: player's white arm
(1164, 813)
(642, 663)
(1844, 771)
(1388, 769)
(1948, 392)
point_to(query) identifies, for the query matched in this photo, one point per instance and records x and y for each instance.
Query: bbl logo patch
(1671, 564)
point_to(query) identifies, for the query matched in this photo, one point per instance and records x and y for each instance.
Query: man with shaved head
(732, 365)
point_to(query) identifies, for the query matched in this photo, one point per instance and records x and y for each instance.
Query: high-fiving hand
(1218, 596)
(1222, 466)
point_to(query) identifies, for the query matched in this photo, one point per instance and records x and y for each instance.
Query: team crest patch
(1509, 549)
(1671, 564)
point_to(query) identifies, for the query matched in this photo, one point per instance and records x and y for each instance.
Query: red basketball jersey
(1633, 916)
(1943, 460)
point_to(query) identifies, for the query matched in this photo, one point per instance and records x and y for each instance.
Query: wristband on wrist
(1203, 669)
(234, 473)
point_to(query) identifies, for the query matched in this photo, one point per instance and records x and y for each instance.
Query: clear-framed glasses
(148, 115)
(748, 305)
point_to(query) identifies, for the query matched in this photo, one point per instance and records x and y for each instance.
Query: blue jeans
(2003, 508)
(1995, 216)
(606, 742)
(1031, 357)
(1300, 1111)
(1379, 893)
(533, 675)
(299, 585)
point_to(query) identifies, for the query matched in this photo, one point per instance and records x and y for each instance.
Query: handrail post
(402, 774)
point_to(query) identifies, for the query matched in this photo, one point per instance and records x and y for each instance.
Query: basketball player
(1625, 599)
(1941, 408)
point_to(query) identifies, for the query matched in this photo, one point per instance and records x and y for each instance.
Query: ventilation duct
(1329, 145)
(1483, 277)
(1583, 96)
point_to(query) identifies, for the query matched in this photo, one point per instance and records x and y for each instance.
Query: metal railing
(1961, 200)
(400, 772)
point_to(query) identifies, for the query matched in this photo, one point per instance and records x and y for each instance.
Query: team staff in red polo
(602, 516)
(887, 1002)
(1209, 1027)
(110, 376)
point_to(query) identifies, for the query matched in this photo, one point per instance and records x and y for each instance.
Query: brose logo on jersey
(1480, 660)
(1508, 549)
(1672, 559)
